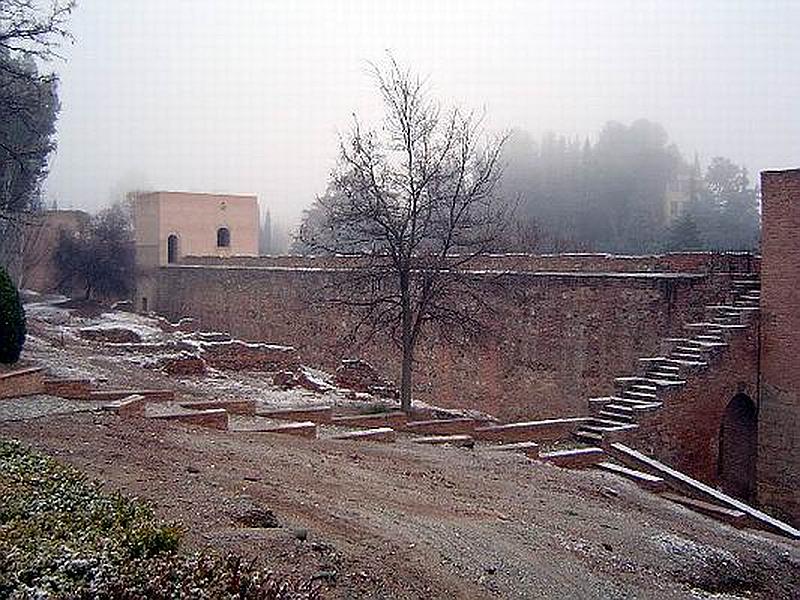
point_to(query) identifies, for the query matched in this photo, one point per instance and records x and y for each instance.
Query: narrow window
(144, 303)
(172, 249)
(223, 237)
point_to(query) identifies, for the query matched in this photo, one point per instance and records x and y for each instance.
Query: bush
(12, 321)
(61, 536)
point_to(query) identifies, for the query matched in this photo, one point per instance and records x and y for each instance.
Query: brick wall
(557, 337)
(779, 412)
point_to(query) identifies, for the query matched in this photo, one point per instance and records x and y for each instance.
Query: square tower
(170, 225)
(778, 470)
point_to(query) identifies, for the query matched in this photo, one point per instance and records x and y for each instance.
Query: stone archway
(738, 446)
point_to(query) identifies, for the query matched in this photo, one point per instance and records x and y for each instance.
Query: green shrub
(12, 321)
(61, 536)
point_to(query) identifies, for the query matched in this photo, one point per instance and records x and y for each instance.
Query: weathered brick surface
(779, 406)
(462, 441)
(213, 418)
(21, 382)
(321, 414)
(442, 426)
(395, 420)
(538, 431)
(360, 376)
(132, 406)
(237, 355)
(562, 336)
(68, 388)
(306, 429)
(182, 364)
(110, 335)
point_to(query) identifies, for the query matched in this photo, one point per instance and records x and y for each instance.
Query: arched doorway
(223, 237)
(172, 249)
(738, 443)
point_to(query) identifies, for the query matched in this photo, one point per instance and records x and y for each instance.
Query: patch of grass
(61, 536)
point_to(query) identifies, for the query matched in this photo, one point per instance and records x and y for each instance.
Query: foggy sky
(248, 96)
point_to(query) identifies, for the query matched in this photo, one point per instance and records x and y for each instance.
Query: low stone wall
(21, 382)
(68, 388)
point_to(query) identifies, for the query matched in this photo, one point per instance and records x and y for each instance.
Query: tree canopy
(413, 201)
(30, 33)
(615, 195)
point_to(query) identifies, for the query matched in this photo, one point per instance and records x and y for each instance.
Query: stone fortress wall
(565, 326)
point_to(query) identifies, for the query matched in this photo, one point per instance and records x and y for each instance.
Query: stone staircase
(682, 358)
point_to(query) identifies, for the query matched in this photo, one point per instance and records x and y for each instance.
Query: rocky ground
(371, 520)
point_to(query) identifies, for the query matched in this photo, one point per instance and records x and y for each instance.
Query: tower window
(223, 237)
(172, 249)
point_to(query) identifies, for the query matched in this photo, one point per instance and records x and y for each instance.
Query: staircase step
(307, 429)
(378, 434)
(589, 436)
(638, 405)
(686, 356)
(666, 378)
(689, 351)
(652, 383)
(601, 429)
(706, 344)
(462, 441)
(681, 481)
(530, 449)
(737, 518)
(641, 396)
(642, 479)
(686, 363)
(620, 408)
(714, 339)
(576, 458)
(616, 415)
(393, 419)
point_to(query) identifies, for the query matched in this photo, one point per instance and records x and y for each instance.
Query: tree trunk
(405, 384)
(408, 347)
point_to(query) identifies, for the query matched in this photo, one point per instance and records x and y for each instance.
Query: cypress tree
(12, 321)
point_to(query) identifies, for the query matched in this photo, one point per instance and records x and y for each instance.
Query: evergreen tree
(265, 238)
(12, 321)
(684, 235)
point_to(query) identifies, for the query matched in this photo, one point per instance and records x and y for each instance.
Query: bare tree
(413, 203)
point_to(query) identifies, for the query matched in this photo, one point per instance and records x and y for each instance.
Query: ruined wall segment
(779, 402)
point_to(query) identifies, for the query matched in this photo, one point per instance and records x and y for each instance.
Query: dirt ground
(399, 521)
(372, 520)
